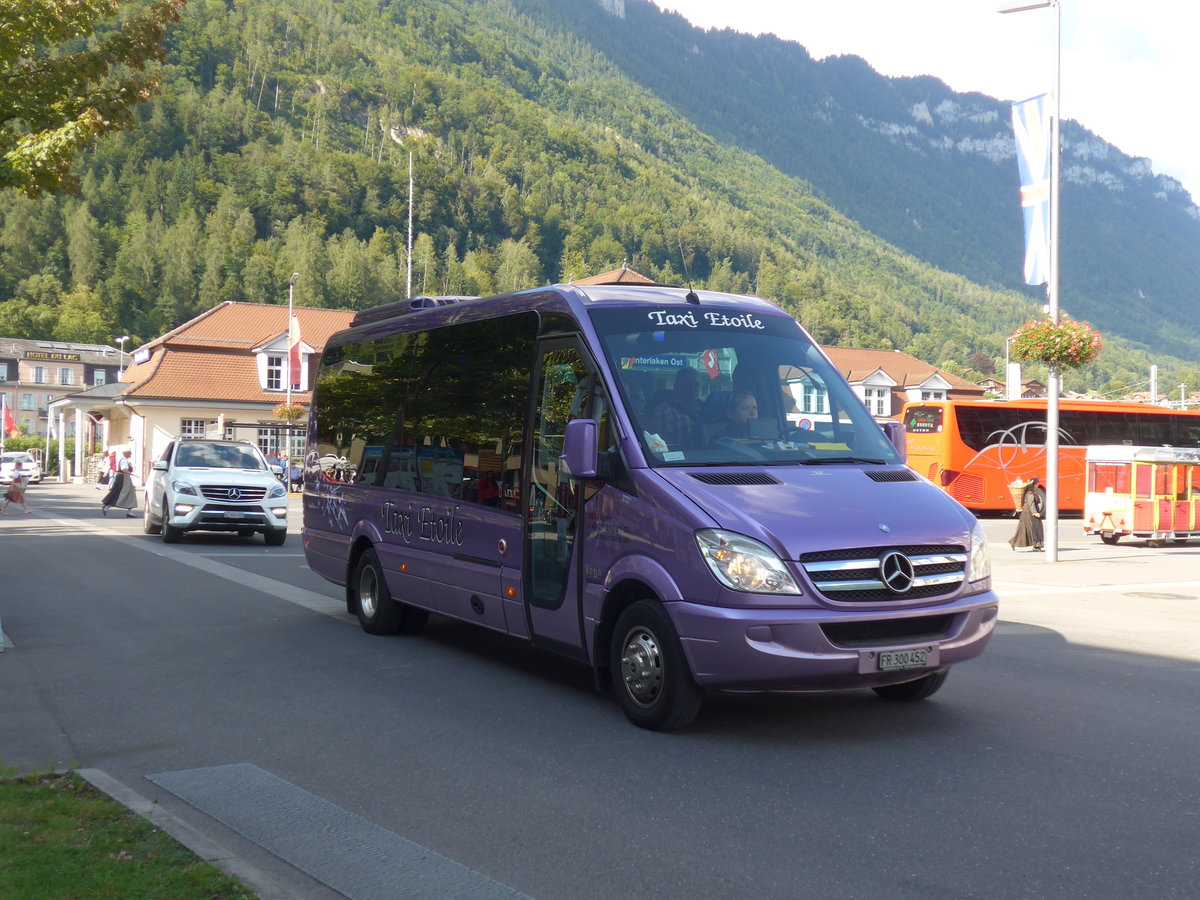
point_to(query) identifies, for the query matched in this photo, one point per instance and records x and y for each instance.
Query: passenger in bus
(1029, 534)
(674, 413)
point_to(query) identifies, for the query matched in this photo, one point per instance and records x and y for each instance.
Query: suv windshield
(719, 385)
(199, 454)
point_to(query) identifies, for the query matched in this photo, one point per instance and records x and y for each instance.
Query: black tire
(650, 674)
(377, 611)
(923, 687)
(1109, 538)
(149, 526)
(275, 537)
(170, 534)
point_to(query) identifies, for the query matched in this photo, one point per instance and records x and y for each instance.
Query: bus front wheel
(378, 612)
(649, 672)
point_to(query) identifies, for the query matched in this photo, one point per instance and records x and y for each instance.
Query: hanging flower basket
(289, 412)
(1067, 344)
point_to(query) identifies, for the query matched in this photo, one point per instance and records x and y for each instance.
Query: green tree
(85, 317)
(59, 93)
(519, 267)
(83, 246)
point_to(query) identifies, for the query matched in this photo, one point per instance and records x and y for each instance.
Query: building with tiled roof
(34, 372)
(887, 379)
(623, 275)
(223, 372)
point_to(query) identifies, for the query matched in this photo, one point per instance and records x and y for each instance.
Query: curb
(234, 866)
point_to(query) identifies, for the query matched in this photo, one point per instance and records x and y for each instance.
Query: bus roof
(591, 294)
(1127, 453)
(1072, 404)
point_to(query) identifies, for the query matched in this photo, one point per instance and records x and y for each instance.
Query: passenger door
(565, 389)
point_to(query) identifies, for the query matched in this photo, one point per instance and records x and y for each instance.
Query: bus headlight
(744, 564)
(981, 557)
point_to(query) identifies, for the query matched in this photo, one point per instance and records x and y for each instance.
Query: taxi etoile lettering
(423, 524)
(712, 319)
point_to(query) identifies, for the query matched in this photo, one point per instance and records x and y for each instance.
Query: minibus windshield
(719, 385)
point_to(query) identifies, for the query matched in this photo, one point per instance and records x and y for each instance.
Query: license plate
(903, 659)
(235, 515)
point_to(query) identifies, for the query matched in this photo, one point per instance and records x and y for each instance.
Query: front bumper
(821, 650)
(199, 514)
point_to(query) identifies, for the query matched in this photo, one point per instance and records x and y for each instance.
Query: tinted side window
(438, 412)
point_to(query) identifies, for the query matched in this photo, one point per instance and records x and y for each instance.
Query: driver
(741, 409)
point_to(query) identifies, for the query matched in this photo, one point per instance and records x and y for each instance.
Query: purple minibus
(674, 487)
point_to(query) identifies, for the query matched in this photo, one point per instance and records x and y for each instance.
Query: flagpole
(1054, 379)
(291, 284)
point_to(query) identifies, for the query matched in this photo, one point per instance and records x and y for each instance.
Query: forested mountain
(540, 152)
(930, 171)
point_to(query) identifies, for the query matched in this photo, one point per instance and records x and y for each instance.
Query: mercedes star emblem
(896, 571)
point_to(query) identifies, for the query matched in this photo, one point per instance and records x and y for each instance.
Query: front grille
(855, 575)
(236, 493)
(738, 478)
(888, 631)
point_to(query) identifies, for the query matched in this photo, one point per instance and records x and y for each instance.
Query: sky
(1128, 70)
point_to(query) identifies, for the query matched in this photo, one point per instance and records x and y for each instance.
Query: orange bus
(976, 449)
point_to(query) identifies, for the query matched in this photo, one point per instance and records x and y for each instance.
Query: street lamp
(121, 367)
(1054, 380)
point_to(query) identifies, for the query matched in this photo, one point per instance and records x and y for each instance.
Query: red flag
(294, 351)
(10, 427)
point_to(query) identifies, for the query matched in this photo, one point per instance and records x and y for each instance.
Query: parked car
(214, 485)
(29, 465)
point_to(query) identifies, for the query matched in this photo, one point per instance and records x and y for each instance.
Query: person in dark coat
(1029, 534)
(121, 494)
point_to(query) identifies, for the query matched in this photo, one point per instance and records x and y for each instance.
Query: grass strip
(62, 838)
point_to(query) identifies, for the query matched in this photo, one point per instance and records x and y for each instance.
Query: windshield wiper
(854, 460)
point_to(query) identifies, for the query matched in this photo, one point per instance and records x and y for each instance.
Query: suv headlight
(744, 564)
(276, 490)
(184, 487)
(981, 557)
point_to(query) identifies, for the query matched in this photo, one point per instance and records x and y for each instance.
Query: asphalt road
(1063, 763)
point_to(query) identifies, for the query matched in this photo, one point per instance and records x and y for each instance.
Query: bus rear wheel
(649, 672)
(378, 612)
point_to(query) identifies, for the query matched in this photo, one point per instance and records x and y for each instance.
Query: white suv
(203, 485)
(29, 466)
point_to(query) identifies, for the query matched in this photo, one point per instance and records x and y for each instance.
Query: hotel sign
(52, 356)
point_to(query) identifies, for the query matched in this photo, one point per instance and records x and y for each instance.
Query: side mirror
(160, 465)
(581, 453)
(897, 434)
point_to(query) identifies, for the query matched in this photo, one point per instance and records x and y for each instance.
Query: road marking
(321, 603)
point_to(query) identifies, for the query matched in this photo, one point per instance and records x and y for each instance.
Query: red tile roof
(623, 275)
(210, 356)
(907, 371)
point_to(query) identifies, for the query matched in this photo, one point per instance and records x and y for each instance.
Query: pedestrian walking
(16, 489)
(1029, 534)
(122, 494)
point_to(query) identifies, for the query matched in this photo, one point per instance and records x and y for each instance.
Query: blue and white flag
(1031, 123)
